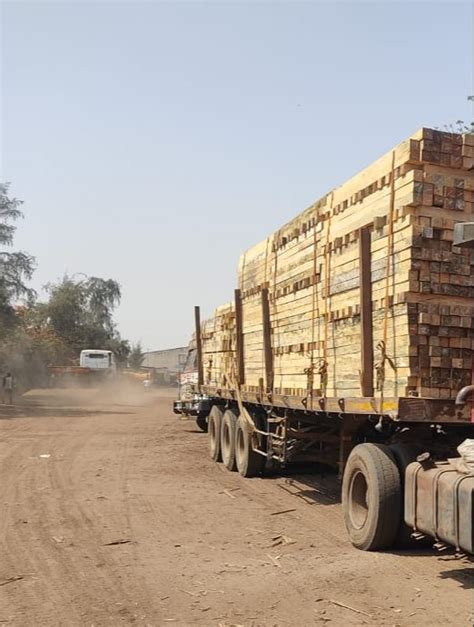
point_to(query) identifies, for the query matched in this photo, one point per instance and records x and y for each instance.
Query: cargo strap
(266, 284)
(251, 426)
(380, 366)
(309, 372)
(322, 370)
(323, 373)
(323, 367)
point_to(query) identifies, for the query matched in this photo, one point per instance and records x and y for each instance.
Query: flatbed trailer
(349, 344)
(372, 444)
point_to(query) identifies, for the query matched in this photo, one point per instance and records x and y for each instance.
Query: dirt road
(111, 513)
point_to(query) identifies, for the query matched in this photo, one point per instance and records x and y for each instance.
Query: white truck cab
(97, 360)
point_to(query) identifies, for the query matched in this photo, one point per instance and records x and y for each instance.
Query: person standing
(8, 389)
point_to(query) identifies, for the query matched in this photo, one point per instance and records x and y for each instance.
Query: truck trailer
(349, 343)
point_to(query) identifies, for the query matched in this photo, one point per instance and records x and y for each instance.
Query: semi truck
(349, 342)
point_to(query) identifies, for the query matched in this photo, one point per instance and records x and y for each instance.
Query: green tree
(29, 348)
(15, 267)
(121, 349)
(136, 356)
(80, 312)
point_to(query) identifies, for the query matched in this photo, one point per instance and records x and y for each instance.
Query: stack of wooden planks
(363, 293)
(218, 342)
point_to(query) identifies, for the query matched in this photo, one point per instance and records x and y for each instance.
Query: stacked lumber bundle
(421, 287)
(218, 346)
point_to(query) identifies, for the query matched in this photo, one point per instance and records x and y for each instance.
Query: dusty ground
(111, 513)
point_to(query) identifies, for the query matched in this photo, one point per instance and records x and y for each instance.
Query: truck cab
(190, 402)
(95, 359)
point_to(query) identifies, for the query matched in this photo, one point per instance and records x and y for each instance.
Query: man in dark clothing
(8, 389)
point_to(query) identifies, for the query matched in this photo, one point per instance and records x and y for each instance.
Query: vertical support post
(197, 322)
(239, 338)
(267, 342)
(366, 327)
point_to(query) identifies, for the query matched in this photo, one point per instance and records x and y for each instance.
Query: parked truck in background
(349, 343)
(95, 366)
(191, 401)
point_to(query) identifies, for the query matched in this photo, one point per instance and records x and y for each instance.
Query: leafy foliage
(15, 267)
(460, 126)
(80, 312)
(28, 349)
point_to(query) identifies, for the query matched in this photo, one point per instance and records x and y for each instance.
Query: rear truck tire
(214, 429)
(201, 422)
(249, 463)
(372, 497)
(228, 428)
(404, 455)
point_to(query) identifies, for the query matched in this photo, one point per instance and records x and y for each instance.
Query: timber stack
(362, 294)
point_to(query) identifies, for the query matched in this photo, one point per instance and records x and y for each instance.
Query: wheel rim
(225, 439)
(212, 434)
(358, 500)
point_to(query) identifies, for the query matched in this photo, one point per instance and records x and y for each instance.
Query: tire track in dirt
(94, 529)
(77, 572)
(27, 548)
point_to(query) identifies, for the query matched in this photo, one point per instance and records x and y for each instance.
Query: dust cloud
(76, 398)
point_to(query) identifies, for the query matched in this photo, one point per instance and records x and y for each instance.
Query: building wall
(172, 359)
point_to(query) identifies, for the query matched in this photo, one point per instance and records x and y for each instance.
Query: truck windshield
(191, 361)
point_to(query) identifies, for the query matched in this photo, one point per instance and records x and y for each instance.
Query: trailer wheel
(404, 455)
(249, 463)
(372, 497)
(214, 430)
(201, 422)
(228, 428)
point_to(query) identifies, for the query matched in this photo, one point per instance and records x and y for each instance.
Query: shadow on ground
(313, 483)
(464, 576)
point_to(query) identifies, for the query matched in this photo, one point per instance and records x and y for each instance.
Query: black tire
(201, 422)
(228, 426)
(214, 429)
(372, 497)
(404, 455)
(249, 463)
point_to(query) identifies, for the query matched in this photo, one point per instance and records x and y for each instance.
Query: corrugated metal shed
(171, 359)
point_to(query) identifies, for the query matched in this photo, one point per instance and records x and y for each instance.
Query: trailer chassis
(369, 450)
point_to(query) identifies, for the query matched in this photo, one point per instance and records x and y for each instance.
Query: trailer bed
(402, 409)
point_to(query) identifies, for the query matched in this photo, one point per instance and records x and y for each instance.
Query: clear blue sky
(153, 142)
